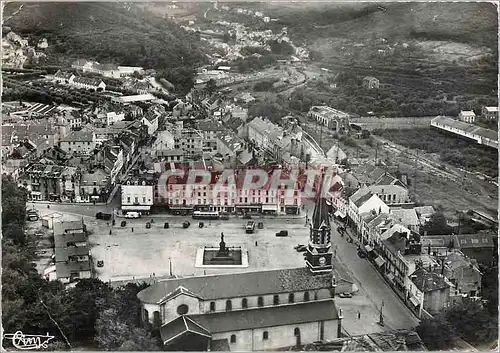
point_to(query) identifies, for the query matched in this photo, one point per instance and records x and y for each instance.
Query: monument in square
(222, 256)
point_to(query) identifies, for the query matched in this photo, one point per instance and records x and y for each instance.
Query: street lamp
(381, 320)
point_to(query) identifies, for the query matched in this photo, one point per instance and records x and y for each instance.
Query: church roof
(321, 215)
(236, 285)
(179, 326)
(270, 316)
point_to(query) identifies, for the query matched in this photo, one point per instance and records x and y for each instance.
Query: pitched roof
(361, 198)
(465, 127)
(79, 136)
(64, 269)
(407, 216)
(239, 284)
(427, 281)
(424, 210)
(63, 254)
(180, 326)
(271, 316)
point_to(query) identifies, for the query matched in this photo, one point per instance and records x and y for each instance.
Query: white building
(467, 116)
(137, 195)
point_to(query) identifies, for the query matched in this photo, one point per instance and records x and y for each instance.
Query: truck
(250, 227)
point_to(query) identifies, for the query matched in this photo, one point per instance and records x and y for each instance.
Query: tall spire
(319, 249)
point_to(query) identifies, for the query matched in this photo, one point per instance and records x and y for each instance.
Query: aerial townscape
(225, 176)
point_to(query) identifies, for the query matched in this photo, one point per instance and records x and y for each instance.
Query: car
(282, 233)
(133, 215)
(103, 216)
(300, 248)
(345, 295)
(186, 224)
(361, 254)
(100, 263)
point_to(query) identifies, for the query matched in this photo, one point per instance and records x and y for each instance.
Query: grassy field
(458, 152)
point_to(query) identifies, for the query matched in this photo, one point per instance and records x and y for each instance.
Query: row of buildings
(106, 70)
(72, 259)
(428, 272)
(467, 130)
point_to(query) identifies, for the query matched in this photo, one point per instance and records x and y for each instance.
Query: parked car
(345, 295)
(260, 225)
(123, 223)
(186, 224)
(133, 215)
(224, 216)
(166, 225)
(103, 216)
(148, 225)
(361, 254)
(201, 225)
(341, 229)
(100, 263)
(300, 248)
(282, 233)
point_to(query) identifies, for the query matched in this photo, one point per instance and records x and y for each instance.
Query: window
(212, 306)
(244, 303)
(291, 298)
(265, 335)
(276, 300)
(128, 199)
(233, 339)
(182, 309)
(306, 296)
(229, 305)
(260, 301)
(143, 200)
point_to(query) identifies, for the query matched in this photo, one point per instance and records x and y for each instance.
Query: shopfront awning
(269, 207)
(339, 214)
(368, 248)
(379, 261)
(414, 301)
(136, 208)
(181, 207)
(95, 196)
(36, 193)
(248, 206)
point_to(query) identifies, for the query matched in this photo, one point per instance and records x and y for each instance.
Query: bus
(205, 215)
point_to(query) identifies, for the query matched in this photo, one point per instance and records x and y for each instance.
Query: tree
(473, 322)
(436, 333)
(211, 86)
(437, 225)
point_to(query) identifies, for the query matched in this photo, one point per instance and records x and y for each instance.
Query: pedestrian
(132, 229)
(256, 243)
(359, 315)
(110, 232)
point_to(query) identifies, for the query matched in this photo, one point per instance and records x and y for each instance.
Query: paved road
(396, 314)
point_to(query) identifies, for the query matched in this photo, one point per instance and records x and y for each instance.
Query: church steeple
(319, 249)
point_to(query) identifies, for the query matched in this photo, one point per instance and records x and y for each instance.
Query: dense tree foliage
(270, 111)
(111, 33)
(437, 225)
(436, 333)
(473, 323)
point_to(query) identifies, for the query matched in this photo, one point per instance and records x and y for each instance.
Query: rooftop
(64, 270)
(268, 316)
(465, 127)
(427, 281)
(239, 284)
(407, 216)
(329, 113)
(79, 136)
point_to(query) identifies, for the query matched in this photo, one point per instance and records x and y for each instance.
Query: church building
(253, 311)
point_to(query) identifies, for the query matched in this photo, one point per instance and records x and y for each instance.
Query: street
(143, 253)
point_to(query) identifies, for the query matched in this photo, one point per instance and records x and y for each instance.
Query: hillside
(474, 23)
(119, 33)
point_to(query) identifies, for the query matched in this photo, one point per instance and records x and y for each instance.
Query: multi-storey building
(231, 196)
(191, 141)
(467, 116)
(78, 142)
(137, 194)
(52, 182)
(210, 130)
(331, 118)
